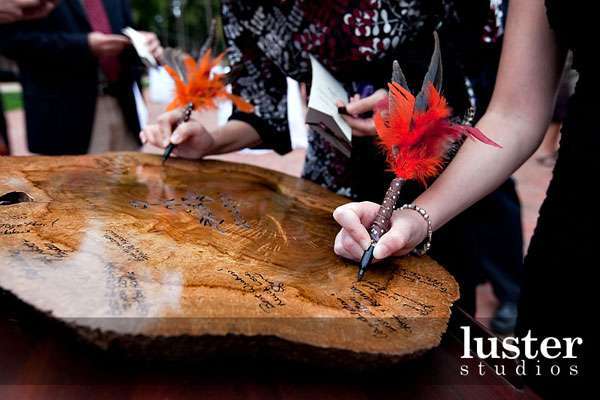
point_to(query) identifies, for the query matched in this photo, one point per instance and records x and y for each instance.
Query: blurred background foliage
(179, 23)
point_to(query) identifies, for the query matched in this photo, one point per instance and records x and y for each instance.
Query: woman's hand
(192, 139)
(357, 106)
(407, 231)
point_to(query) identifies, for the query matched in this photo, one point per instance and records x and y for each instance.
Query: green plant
(178, 23)
(12, 101)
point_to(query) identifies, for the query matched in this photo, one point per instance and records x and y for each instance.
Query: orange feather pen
(416, 134)
(197, 87)
(200, 88)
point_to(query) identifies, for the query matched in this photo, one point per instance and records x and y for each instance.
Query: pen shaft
(381, 223)
(342, 110)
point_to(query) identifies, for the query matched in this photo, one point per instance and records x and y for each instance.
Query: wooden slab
(199, 257)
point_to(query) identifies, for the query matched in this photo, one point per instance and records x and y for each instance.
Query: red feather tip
(202, 88)
(416, 142)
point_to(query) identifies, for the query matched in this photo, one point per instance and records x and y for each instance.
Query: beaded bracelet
(427, 242)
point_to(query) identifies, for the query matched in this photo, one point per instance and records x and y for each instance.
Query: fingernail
(176, 138)
(381, 251)
(166, 142)
(365, 244)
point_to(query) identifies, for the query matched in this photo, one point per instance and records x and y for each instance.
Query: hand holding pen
(186, 138)
(407, 231)
(187, 114)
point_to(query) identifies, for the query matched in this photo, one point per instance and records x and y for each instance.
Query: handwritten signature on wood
(268, 293)
(131, 250)
(21, 227)
(200, 206)
(123, 291)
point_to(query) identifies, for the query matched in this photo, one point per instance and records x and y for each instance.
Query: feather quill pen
(196, 86)
(416, 134)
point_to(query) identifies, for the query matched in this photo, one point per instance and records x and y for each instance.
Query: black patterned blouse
(357, 40)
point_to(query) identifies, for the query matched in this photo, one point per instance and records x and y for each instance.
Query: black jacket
(59, 76)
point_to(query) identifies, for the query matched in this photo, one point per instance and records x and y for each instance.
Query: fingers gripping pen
(187, 114)
(416, 133)
(381, 223)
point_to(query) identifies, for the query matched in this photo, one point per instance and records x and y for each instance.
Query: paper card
(139, 44)
(322, 113)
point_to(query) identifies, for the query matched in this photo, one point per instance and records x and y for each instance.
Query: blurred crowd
(78, 72)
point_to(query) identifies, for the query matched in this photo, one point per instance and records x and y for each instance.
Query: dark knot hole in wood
(11, 198)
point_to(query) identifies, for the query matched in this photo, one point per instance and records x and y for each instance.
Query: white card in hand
(139, 44)
(323, 115)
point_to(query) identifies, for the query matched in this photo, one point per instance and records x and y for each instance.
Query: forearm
(478, 169)
(517, 118)
(233, 136)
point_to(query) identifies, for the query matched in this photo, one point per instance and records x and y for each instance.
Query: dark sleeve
(30, 42)
(259, 80)
(129, 56)
(3, 130)
(127, 15)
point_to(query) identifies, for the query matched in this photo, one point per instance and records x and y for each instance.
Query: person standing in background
(77, 73)
(4, 143)
(4, 150)
(13, 11)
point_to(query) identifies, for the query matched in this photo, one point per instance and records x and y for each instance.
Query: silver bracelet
(427, 242)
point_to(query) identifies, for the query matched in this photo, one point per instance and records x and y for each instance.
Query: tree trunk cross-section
(130, 253)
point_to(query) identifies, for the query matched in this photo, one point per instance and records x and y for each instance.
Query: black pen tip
(361, 274)
(167, 153)
(366, 259)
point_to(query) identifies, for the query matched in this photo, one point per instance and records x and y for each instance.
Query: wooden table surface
(184, 273)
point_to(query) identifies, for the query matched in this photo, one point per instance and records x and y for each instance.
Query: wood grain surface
(194, 257)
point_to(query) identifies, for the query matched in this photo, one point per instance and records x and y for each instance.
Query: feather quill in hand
(416, 134)
(196, 86)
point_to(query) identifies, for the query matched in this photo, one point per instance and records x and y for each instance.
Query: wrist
(421, 228)
(418, 224)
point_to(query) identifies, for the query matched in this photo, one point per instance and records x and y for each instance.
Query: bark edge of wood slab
(197, 258)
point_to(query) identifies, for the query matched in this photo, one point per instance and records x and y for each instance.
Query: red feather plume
(416, 142)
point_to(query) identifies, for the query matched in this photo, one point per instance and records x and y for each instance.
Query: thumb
(186, 130)
(366, 104)
(390, 243)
